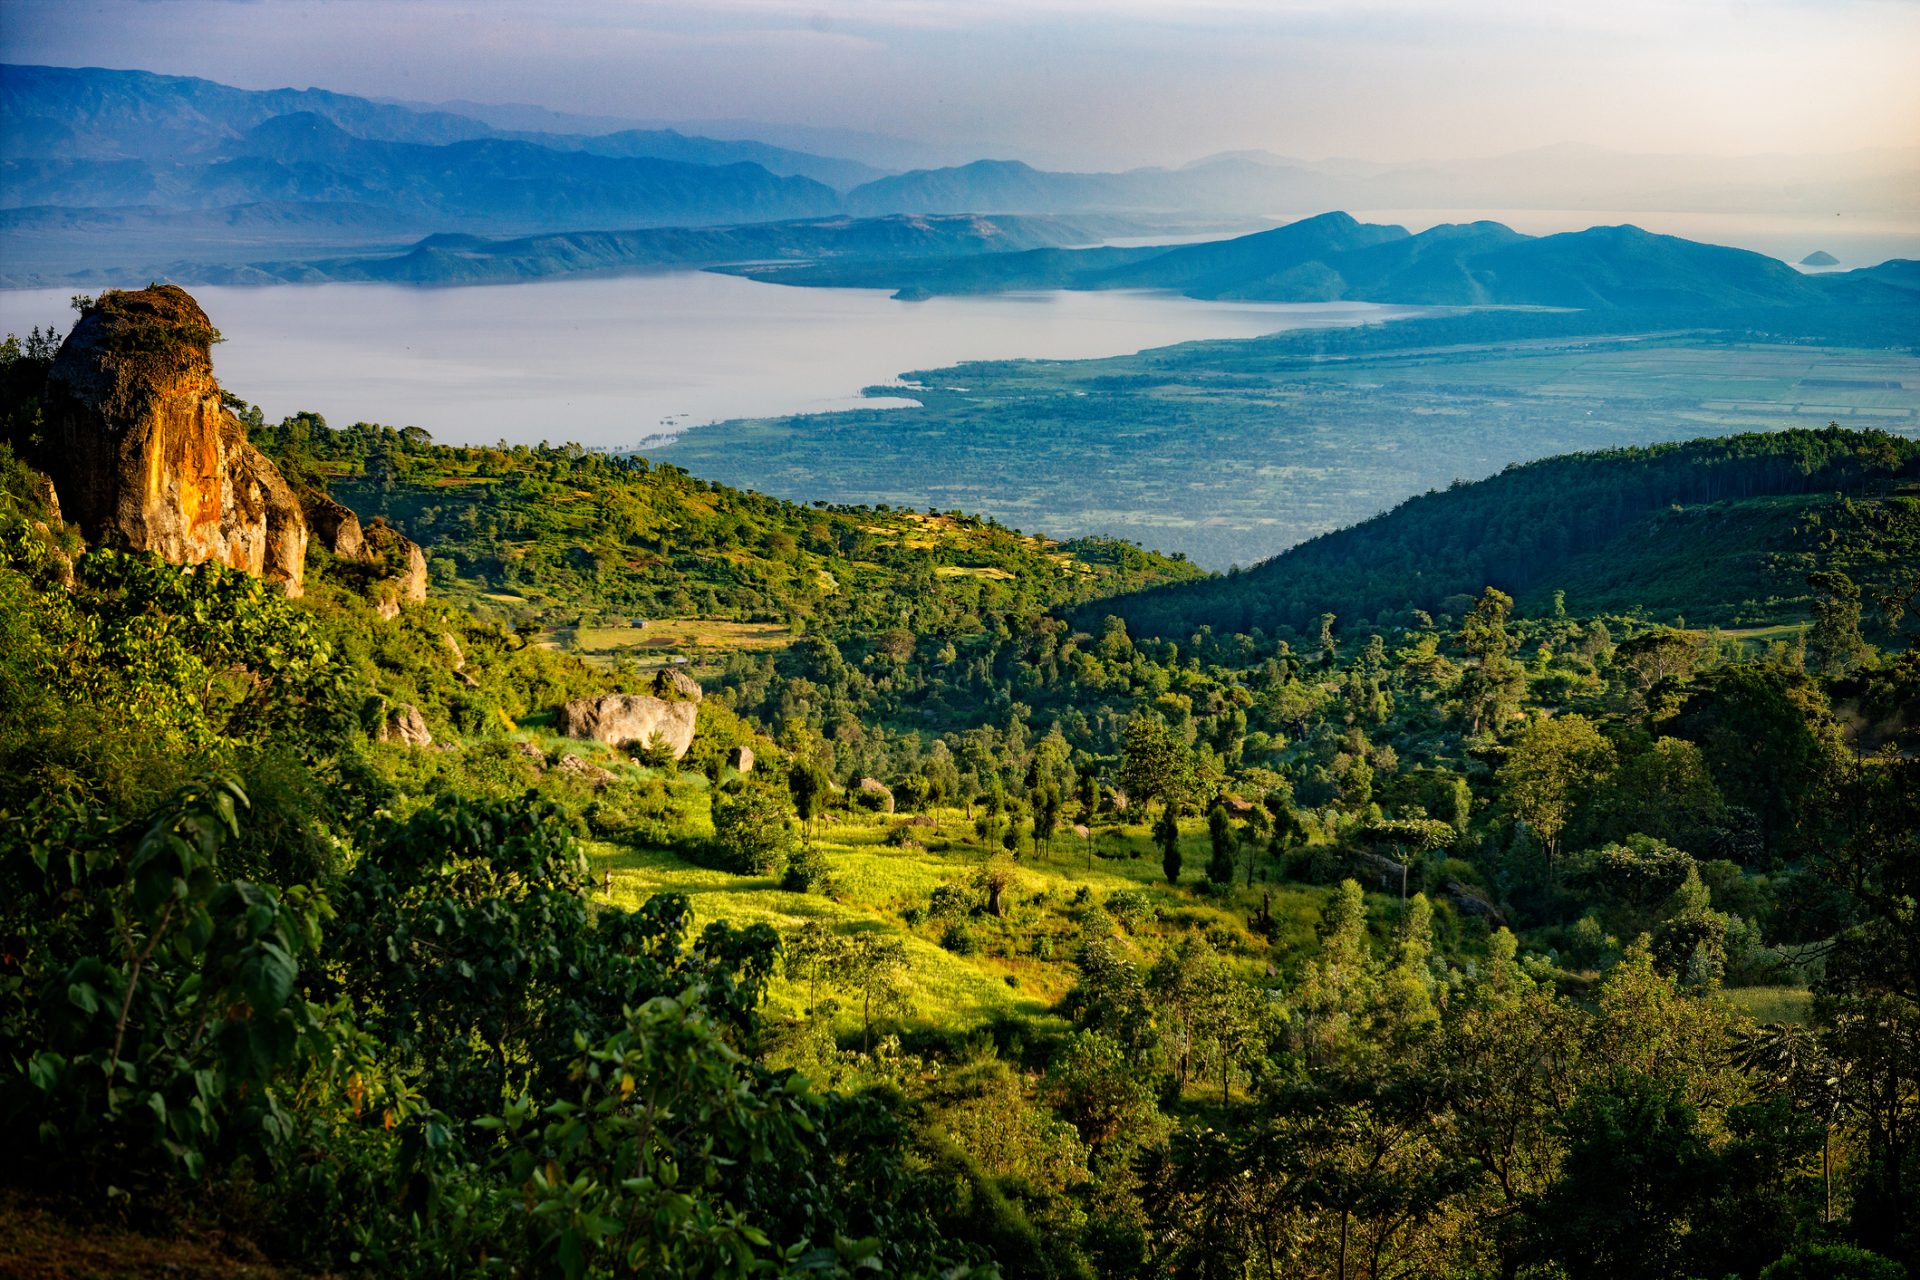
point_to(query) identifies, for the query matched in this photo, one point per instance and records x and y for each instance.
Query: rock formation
(406, 726)
(876, 794)
(400, 565)
(144, 456)
(334, 526)
(406, 567)
(675, 685)
(741, 758)
(622, 720)
(574, 766)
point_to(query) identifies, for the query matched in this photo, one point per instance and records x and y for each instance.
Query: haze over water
(614, 362)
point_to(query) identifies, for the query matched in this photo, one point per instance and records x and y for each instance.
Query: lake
(614, 362)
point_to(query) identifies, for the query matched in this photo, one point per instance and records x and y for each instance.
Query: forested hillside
(559, 534)
(1722, 531)
(963, 940)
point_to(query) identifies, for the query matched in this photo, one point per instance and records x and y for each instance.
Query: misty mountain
(1560, 177)
(90, 139)
(669, 144)
(1334, 257)
(469, 259)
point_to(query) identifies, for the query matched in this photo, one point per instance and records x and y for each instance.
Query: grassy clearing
(1020, 963)
(1773, 1004)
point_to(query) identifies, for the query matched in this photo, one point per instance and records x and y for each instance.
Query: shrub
(1833, 1262)
(808, 871)
(751, 835)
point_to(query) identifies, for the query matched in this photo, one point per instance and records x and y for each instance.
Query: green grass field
(1023, 962)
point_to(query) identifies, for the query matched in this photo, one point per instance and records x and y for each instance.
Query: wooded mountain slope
(1720, 530)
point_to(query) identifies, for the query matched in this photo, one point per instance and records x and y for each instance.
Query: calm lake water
(614, 362)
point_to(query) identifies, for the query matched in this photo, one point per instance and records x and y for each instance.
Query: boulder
(142, 453)
(531, 752)
(1469, 900)
(405, 581)
(623, 720)
(741, 758)
(405, 726)
(876, 794)
(334, 526)
(675, 685)
(574, 766)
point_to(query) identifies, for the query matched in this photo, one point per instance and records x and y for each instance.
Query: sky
(1080, 83)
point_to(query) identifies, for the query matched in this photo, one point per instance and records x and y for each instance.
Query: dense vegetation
(1530, 942)
(1718, 530)
(559, 533)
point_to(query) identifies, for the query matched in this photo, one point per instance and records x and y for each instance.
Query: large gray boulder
(628, 720)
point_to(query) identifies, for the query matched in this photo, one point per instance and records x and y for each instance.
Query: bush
(751, 835)
(808, 871)
(1833, 1262)
(959, 939)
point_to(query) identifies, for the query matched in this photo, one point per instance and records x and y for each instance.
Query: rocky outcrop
(405, 726)
(144, 456)
(405, 581)
(334, 526)
(875, 794)
(627, 720)
(741, 758)
(675, 685)
(398, 567)
(593, 774)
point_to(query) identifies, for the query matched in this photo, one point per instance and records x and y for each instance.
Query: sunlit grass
(1773, 1004)
(1025, 963)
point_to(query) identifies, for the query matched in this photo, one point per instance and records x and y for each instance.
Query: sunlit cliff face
(145, 456)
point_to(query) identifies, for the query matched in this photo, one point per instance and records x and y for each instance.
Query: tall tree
(1548, 772)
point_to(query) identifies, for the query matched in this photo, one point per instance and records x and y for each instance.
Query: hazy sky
(1081, 82)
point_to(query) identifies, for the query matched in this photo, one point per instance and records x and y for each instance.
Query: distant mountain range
(140, 172)
(467, 259)
(1333, 257)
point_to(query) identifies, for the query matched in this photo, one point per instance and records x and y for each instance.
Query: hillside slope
(1333, 257)
(1720, 531)
(559, 537)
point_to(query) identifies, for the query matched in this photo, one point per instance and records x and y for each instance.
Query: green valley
(1012, 907)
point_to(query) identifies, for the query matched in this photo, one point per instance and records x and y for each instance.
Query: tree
(1337, 990)
(1548, 772)
(994, 878)
(1637, 1168)
(1155, 764)
(1493, 682)
(751, 835)
(1046, 817)
(1834, 646)
(812, 953)
(1097, 1090)
(808, 783)
(1166, 833)
(1220, 866)
(874, 968)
